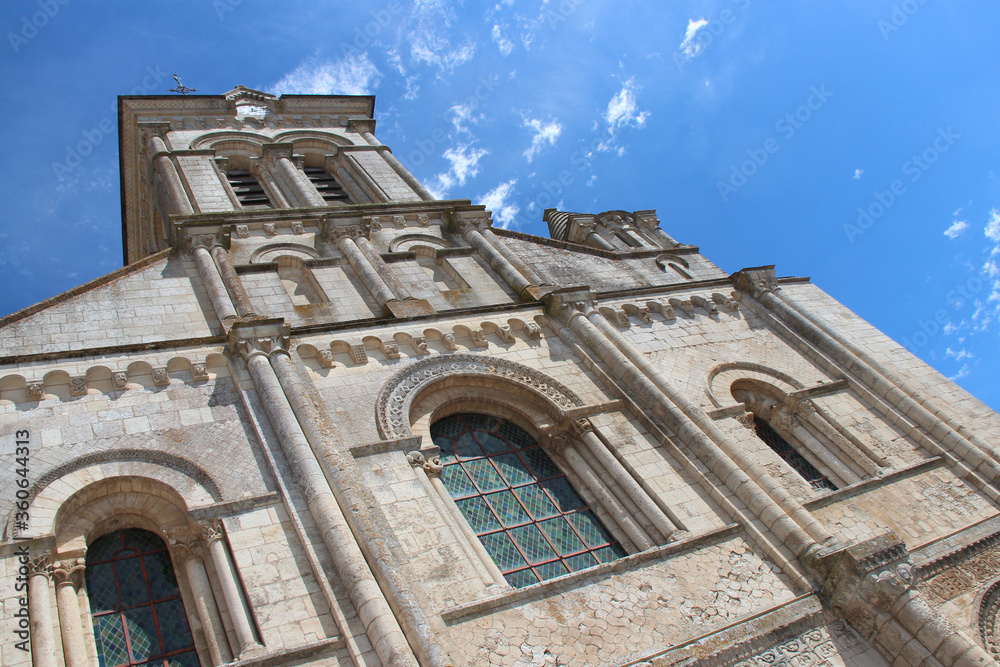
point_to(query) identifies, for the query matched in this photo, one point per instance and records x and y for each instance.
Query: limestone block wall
(203, 182)
(156, 301)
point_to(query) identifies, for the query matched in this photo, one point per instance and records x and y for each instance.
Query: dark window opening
(328, 187)
(139, 618)
(248, 190)
(519, 503)
(816, 479)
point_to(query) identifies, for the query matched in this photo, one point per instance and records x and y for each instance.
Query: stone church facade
(321, 418)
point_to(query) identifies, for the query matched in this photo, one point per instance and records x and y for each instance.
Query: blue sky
(852, 142)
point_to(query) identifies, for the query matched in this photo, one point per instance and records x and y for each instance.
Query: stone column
(271, 187)
(649, 223)
(41, 625)
(761, 287)
(199, 246)
(469, 229)
(515, 261)
(843, 439)
(278, 159)
(179, 201)
(427, 466)
(398, 167)
(786, 421)
(563, 447)
(789, 521)
(255, 343)
(68, 575)
(204, 601)
(343, 237)
(872, 583)
(238, 613)
(384, 271)
(588, 230)
(238, 293)
(421, 630)
(584, 431)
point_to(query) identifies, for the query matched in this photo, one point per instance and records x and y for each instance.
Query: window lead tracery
(139, 618)
(808, 471)
(519, 503)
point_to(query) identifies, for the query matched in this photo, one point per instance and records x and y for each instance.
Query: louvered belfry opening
(328, 187)
(248, 190)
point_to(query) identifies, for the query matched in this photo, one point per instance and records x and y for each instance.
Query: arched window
(519, 503)
(816, 479)
(139, 618)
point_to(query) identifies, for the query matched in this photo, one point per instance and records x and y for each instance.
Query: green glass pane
(131, 583)
(508, 509)
(533, 544)
(609, 553)
(485, 475)
(566, 497)
(101, 588)
(516, 435)
(457, 482)
(504, 553)
(551, 570)
(189, 659)
(540, 463)
(521, 578)
(537, 502)
(110, 635)
(467, 448)
(492, 444)
(449, 426)
(161, 575)
(142, 633)
(580, 562)
(173, 626)
(562, 536)
(478, 515)
(104, 548)
(590, 529)
(513, 469)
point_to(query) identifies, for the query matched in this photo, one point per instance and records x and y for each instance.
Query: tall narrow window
(138, 615)
(328, 187)
(247, 189)
(816, 479)
(518, 502)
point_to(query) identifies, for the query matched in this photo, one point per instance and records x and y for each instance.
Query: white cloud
(993, 226)
(462, 116)
(958, 355)
(429, 41)
(504, 44)
(689, 47)
(353, 75)
(498, 201)
(960, 374)
(542, 133)
(623, 110)
(464, 161)
(858, 173)
(956, 229)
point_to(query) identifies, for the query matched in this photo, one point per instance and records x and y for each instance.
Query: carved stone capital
(266, 337)
(565, 304)
(335, 233)
(68, 572)
(429, 461)
(211, 530)
(461, 225)
(579, 427)
(646, 220)
(271, 153)
(755, 281)
(192, 242)
(184, 550)
(40, 565)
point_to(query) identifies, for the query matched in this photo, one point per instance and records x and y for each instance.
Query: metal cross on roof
(181, 88)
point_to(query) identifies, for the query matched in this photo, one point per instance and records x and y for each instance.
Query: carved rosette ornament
(392, 408)
(431, 465)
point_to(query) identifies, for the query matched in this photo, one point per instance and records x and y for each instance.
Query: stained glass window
(138, 615)
(816, 479)
(519, 503)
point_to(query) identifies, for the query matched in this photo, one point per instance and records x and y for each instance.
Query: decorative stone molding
(399, 220)
(199, 372)
(390, 350)
(243, 231)
(266, 337)
(531, 330)
(78, 385)
(479, 338)
(120, 379)
(505, 334)
(392, 408)
(298, 228)
(725, 301)
(616, 316)
(449, 342)
(161, 378)
(818, 647)
(325, 358)
(969, 575)
(701, 302)
(419, 344)
(358, 353)
(211, 530)
(192, 242)
(755, 280)
(36, 391)
(423, 220)
(432, 465)
(269, 229)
